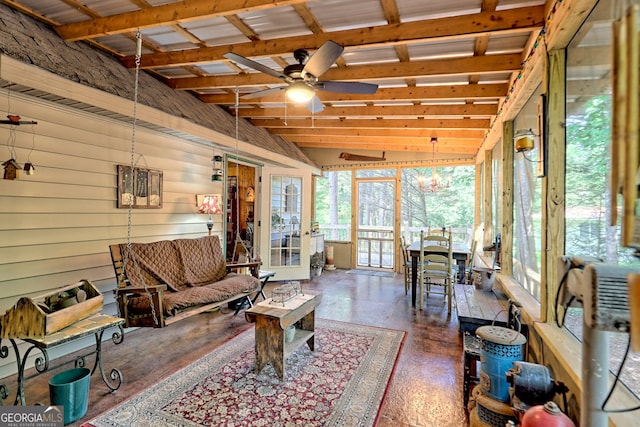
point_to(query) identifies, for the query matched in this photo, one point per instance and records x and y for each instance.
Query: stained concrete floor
(426, 389)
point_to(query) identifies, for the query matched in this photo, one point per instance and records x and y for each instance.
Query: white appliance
(603, 290)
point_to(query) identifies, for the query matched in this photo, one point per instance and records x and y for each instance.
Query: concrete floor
(426, 389)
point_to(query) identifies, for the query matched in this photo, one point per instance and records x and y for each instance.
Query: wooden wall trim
(477, 207)
(554, 193)
(488, 198)
(506, 266)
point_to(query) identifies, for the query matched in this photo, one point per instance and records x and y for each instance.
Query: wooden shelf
(299, 339)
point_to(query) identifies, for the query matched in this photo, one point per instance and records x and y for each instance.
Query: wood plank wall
(56, 225)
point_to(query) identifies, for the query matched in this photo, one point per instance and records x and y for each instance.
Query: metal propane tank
(547, 415)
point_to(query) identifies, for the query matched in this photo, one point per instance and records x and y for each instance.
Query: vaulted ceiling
(442, 66)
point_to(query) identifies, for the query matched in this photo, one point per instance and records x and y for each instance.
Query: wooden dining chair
(406, 264)
(436, 267)
(468, 271)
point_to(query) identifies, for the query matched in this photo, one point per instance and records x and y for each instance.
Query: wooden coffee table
(273, 319)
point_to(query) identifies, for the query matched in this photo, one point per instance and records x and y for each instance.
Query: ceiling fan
(302, 78)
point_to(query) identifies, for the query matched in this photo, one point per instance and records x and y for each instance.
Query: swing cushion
(194, 271)
(175, 302)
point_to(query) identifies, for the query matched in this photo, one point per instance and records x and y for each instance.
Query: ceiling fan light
(300, 92)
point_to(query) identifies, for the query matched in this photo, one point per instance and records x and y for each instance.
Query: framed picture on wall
(139, 188)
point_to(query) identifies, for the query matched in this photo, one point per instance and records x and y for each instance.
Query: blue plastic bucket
(70, 389)
(499, 348)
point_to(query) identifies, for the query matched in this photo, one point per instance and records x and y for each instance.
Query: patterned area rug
(341, 383)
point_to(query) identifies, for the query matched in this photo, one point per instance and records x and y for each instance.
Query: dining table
(460, 253)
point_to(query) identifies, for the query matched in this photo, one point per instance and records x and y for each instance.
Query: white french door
(285, 222)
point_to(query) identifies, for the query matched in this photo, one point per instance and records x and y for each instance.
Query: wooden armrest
(254, 266)
(138, 289)
(244, 264)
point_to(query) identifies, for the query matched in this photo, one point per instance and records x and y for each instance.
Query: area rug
(341, 383)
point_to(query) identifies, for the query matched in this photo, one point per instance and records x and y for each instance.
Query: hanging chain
(132, 163)
(238, 239)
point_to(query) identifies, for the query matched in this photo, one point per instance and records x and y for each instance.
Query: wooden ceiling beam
(163, 15)
(340, 145)
(526, 19)
(435, 67)
(384, 111)
(452, 92)
(444, 145)
(376, 123)
(473, 134)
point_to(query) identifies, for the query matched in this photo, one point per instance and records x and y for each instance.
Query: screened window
(527, 207)
(333, 205)
(496, 188)
(588, 166)
(450, 206)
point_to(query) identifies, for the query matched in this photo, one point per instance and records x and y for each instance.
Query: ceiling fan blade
(255, 65)
(323, 58)
(261, 93)
(347, 87)
(315, 105)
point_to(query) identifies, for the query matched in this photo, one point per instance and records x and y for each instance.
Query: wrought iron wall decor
(140, 188)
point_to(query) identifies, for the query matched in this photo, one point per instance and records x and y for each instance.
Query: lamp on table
(210, 205)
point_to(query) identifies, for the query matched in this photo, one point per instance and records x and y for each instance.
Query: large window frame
(527, 205)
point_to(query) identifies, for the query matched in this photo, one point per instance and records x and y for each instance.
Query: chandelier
(437, 183)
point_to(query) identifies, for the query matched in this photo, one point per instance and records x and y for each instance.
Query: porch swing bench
(162, 282)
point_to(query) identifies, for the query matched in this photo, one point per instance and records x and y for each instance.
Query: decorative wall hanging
(140, 189)
(11, 168)
(14, 119)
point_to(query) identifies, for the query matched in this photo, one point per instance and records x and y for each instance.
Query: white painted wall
(56, 225)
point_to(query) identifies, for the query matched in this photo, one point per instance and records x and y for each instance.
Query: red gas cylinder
(547, 415)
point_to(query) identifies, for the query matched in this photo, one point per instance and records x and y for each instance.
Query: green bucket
(70, 389)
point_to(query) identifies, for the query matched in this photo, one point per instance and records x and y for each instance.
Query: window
(496, 189)
(588, 164)
(527, 207)
(333, 205)
(452, 206)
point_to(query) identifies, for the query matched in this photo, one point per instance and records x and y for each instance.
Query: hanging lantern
(218, 171)
(523, 140)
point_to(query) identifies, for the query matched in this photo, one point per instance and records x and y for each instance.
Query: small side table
(95, 324)
(271, 322)
(264, 277)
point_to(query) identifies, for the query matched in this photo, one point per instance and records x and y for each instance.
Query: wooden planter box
(45, 314)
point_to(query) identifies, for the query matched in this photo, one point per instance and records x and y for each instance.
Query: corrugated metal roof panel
(374, 55)
(215, 31)
(441, 49)
(415, 10)
(509, 43)
(337, 15)
(275, 23)
(56, 10)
